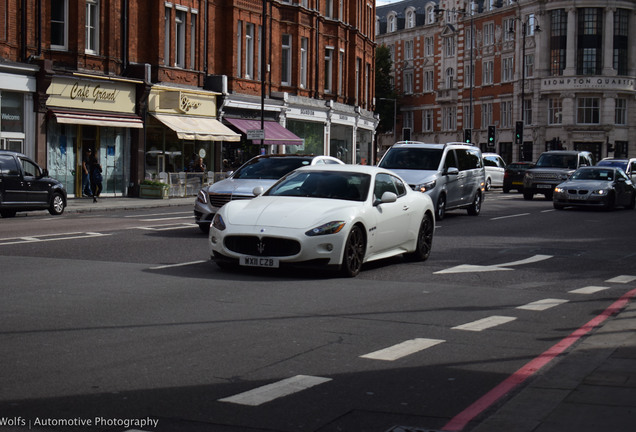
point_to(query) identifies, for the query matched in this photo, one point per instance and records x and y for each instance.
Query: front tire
(57, 205)
(7, 213)
(528, 196)
(424, 240)
(488, 184)
(353, 253)
(475, 207)
(440, 208)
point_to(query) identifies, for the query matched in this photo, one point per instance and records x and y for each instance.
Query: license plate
(259, 262)
(544, 186)
(517, 183)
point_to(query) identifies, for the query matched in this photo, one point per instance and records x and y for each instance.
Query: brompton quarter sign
(588, 82)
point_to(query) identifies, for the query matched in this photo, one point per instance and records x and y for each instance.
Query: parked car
(627, 165)
(495, 168)
(338, 216)
(25, 186)
(513, 176)
(604, 187)
(553, 167)
(452, 174)
(262, 170)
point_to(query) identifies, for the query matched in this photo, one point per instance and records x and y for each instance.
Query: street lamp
(394, 115)
(437, 10)
(524, 31)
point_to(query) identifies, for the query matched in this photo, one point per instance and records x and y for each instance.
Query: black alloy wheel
(424, 240)
(353, 252)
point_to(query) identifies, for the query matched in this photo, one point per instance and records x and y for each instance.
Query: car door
(453, 181)
(11, 184)
(35, 189)
(499, 172)
(392, 218)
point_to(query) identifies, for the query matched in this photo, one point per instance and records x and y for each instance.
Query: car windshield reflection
(340, 185)
(593, 174)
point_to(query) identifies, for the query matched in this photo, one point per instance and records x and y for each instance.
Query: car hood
(415, 177)
(287, 212)
(585, 184)
(239, 186)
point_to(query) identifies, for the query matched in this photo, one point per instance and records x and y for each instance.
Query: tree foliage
(385, 95)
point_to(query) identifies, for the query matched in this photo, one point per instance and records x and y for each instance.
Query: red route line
(460, 421)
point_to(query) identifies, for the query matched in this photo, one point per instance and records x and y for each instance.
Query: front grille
(577, 191)
(546, 176)
(218, 200)
(265, 246)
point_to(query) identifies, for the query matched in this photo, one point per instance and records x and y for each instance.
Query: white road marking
(165, 218)
(622, 279)
(177, 265)
(510, 216)
(159, 214)
(166, 227)
(275, 390)
(50, 237)
(402, 349)
(588, 290)
(469, 268)
(484, 324)
(541, 305)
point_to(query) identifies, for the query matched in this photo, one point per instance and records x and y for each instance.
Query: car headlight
(529, 176)
(328, 228)
(202, 196)
(424, 187)
(563, 176)
(559, 190)
(601, 192)
(218, 223)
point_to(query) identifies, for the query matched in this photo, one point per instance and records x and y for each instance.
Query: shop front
(309, 123)
(96, 113)
(184, 138)
(17, 118)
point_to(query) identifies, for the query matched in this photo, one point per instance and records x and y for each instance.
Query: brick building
(563, 68)
(149, 85)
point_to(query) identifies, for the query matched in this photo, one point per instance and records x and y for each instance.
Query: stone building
(562, 68)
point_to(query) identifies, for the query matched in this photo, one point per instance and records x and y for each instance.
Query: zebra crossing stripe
(622, 279)
(402, 349)
(269, 392)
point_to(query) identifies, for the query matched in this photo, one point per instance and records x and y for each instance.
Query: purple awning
(275, 134)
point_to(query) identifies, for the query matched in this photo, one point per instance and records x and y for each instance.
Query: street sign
(255, 134)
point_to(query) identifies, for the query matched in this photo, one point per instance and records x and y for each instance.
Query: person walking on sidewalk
(96, 176)
(86, 178)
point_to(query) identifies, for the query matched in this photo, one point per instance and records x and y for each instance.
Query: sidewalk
(86, 205)
(591, 389)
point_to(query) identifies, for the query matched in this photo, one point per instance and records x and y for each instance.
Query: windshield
(567, 161)
(593, 174)
(323, 184)
(271, 168)
(618, 164)
(412, 159)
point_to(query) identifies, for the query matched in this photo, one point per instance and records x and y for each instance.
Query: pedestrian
(96, 176)
(86, 178)
(199, 166)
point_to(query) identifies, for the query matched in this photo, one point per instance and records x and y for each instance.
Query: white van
(452, 174)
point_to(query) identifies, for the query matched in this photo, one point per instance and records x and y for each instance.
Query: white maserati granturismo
(339, 216)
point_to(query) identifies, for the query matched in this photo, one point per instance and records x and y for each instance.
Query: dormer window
(410, 18)
(392, 23)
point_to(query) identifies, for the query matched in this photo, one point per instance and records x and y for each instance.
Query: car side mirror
(452, 171)
(258, 190)
(45, 173)
(387, 197)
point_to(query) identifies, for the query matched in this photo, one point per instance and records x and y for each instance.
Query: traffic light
(467, 136)
(491, 136)
(519, 133)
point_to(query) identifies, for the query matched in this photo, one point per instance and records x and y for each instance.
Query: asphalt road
(118, 317)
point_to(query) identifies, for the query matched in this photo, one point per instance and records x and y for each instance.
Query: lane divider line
(460, 421)
(541, 305)
(588, 290)
(402, 349)
(269, 392)
(485, 323)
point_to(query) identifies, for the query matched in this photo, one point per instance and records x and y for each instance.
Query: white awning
(98, 119)
(198, 128)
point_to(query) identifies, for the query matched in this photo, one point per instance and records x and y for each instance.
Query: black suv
(552, 168)
(25, 186)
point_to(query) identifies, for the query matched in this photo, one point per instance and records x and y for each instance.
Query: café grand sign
(588, 82)
(87, 94)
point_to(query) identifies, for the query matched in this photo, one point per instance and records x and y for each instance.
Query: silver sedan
(604, 187)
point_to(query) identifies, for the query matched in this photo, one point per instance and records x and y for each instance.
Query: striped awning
(198, 128)
(275, 133)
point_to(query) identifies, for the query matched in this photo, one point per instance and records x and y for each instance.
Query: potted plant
(153, 189)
